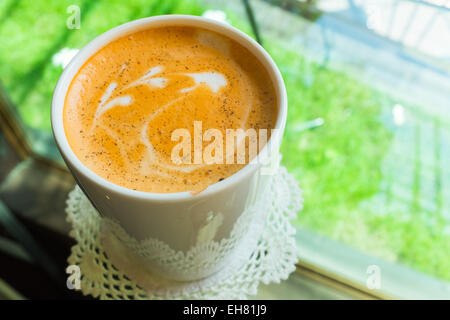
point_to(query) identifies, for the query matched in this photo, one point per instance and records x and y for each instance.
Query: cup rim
(107, 37)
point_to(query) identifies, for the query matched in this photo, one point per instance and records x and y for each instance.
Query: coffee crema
(128, 98)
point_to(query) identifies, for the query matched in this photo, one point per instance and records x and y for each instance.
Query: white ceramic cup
(177, 220)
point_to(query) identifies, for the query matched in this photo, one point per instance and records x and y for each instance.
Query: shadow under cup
(187, 237)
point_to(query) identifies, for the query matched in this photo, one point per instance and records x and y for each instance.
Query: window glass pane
(368, 132)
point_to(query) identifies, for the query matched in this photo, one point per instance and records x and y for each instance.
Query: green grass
(35, 30)
(339, 167)
(338, 164)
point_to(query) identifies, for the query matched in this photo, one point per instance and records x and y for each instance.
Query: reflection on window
(368, 133)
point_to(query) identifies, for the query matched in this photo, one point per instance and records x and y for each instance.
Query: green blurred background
(372, 159)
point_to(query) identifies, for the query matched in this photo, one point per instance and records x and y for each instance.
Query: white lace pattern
(264, 239)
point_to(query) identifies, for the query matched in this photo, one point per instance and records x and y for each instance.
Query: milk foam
(214, 80)
(112, 116)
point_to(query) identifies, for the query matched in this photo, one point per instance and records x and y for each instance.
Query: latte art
(127, 100)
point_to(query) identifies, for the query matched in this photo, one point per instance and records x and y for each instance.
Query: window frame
(320, 258)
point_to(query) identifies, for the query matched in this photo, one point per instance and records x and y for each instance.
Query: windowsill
(45, 205)
(327, 269)
(348, 266)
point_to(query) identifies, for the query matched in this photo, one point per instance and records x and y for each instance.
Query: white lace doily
(109, 270)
